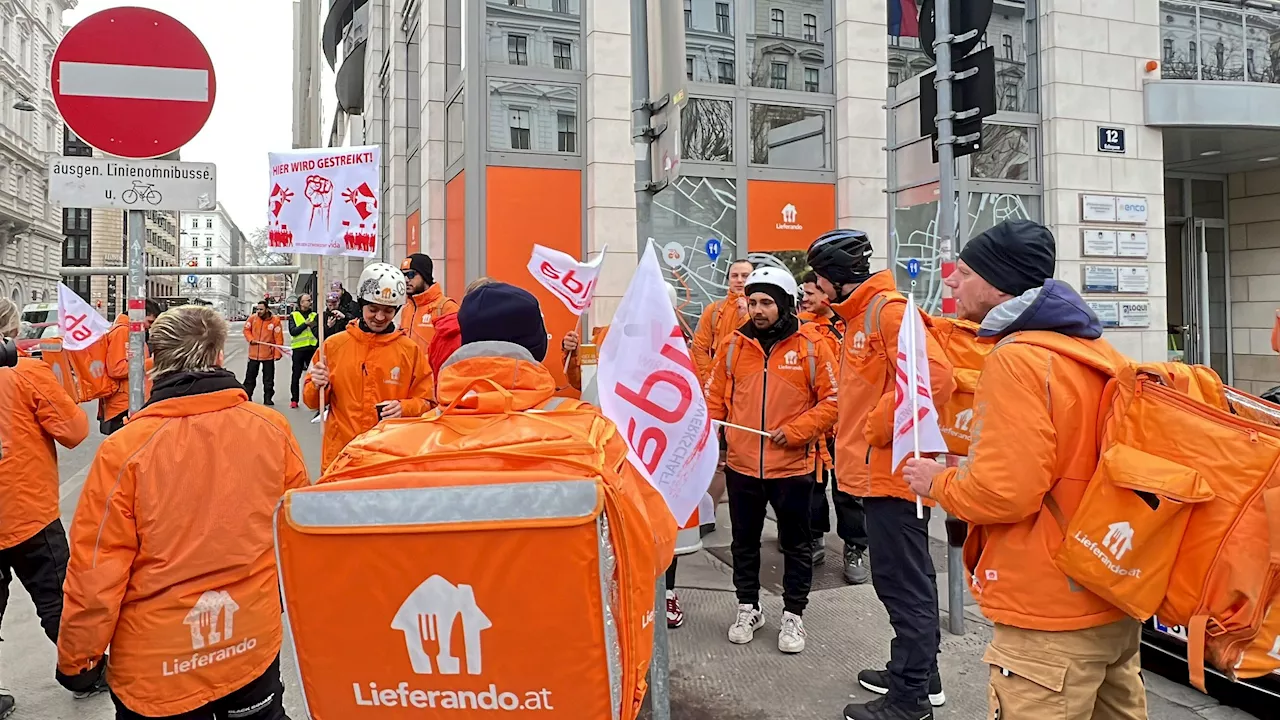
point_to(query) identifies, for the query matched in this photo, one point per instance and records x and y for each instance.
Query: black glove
(85, 681)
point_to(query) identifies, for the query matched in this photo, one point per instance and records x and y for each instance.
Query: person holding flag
(773, 385)
(1039, 413)
(902, 570)
(113, 409)
(266, 340)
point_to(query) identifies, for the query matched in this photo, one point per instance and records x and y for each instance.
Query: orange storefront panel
(413, 233)
(455, 236)
(788, 215)
(527, 206)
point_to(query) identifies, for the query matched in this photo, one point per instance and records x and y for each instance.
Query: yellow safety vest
(306, 338)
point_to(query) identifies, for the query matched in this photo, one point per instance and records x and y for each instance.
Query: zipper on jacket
(764, 404)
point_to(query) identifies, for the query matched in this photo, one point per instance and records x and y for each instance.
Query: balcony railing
(1209, 40)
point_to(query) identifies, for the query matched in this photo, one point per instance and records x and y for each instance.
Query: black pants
(107, 426)
(268, 378)
(261, 699)
(671, 574)
(851, 518)
(40, 564)
(903, 576)
(301, 360)
(749, 498)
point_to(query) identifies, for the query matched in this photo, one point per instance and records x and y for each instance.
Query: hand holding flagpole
(913, 390)
(915, 420)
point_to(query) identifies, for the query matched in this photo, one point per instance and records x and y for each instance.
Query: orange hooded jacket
(868, 369)
(831, 327)
(793, 389)
(364, 370)
(36, 411)
(420, 313)
(117, 339)
(257, 330)
(716, 324)
(1036, 420)
(173, 562)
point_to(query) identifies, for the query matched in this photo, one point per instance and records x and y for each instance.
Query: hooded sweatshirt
(1035, 433)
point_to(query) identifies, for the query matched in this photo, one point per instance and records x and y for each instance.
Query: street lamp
(24, 105)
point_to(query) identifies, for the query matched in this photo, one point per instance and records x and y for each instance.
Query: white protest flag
(649, 389)
(81, 325)
(572, 281)
(915, 419)
(325, 201)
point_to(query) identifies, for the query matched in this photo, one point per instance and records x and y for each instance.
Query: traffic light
(973, 82)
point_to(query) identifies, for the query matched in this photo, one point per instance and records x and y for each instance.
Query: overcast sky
(251, 43)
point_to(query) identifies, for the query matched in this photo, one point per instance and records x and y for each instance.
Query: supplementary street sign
(132, 184)
(133, 82)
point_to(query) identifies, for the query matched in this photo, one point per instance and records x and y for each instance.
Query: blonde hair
(9, 318)
(477, 283)
(190, 337)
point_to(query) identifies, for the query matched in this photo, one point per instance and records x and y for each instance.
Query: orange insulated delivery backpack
(479, 559)
(1181, 519)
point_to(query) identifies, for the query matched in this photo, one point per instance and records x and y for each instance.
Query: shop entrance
(1198, 267)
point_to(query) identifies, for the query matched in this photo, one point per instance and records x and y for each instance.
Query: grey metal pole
(641, 115)
(76, 270)
(137, 310)
(660, 665)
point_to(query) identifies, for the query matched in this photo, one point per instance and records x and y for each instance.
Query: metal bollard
(957, 530)
(659, 667)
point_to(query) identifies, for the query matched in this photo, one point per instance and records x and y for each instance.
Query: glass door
(1199, 271)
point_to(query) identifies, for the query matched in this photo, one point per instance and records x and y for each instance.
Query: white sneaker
(744, 628)
(791, 636)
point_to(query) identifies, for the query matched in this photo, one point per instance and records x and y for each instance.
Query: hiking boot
(856, 571)
(819, 550)
(675, 616)
(744, 627)
(877, 681)
(7, 705)
(882, 709)
(791, 636)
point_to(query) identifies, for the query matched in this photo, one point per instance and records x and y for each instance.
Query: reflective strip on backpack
(872, 322)
(813, 360)
(442, 505)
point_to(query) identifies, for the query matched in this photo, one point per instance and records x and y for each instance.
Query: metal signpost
(136, 84)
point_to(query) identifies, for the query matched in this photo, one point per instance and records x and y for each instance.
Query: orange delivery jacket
(173, 561)
(1036, 415)
(35, 411)
(257, 330)
(868, 383)
(117, 339)
(792, 389)
(420, 313)
(832, 329)
(364, 370)
(719, 320)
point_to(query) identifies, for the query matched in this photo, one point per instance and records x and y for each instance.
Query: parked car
(39, 320)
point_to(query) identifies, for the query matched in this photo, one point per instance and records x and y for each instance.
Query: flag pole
(913, 388)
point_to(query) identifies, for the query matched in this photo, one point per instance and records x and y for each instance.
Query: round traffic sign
(133, 82)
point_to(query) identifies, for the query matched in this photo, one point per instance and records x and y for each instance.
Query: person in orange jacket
(448, 335)
(173, 561)
(720, 319)
(780, 378)
(113, 410)
(427, 302)
(902, 569)
(371, 371)
(851, 517)
(37, 412)
(1055, 644)
(266, 336)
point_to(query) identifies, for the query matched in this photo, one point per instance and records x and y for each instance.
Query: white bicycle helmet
(774, 276)
(673, 296)
(382, 284)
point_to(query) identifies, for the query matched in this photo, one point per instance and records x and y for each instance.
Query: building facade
(30, 129)
(1137, 130)
(212, 240)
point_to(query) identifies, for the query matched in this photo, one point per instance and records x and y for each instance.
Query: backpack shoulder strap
(1074, 348)
(560, 403)
(811, 351)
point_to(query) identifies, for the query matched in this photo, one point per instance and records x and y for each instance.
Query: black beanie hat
(786, 303)
(1014, 256)
(503, 313)
(420, 264)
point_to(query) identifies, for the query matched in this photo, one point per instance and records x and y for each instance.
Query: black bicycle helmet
(841, 256)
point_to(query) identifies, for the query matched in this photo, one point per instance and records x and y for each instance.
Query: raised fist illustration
(320, 192)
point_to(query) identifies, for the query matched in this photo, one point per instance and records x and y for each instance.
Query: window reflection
(1007, 154)
(709, 41)
(534, 33)
(789, 45)
(789, 136)
(539, 117)
(706, 130)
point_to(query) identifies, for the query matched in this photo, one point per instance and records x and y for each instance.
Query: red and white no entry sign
(133, 82)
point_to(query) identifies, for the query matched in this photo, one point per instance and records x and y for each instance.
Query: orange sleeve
(1275, 334)
(118, 353)
(247, 329)
(573, 371)
(1011, 406)
(717, 381)
(104, 545)
(819, 419)
(942, 382)
(280, 333)
(422, 391)
(295, 467)
(704, 339)
(58, 413)
(311, 393)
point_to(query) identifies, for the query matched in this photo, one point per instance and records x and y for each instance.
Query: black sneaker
(819, 550)
(98, 688)
(268, 402)
(877, 681)
(882, 709)
(7, 705)
(856, 571)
